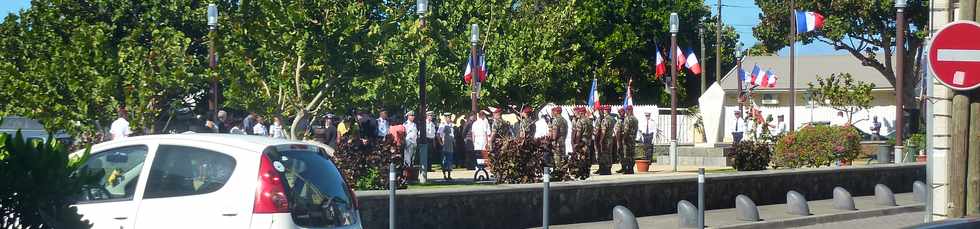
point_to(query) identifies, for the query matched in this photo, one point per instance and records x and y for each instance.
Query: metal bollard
(796, 204)
(701, 198)
(884, 196)
(623, 218)
(843, 199)
(547, 185)
(392, 186)
(687, 214)
(746, 209)
(919, 190)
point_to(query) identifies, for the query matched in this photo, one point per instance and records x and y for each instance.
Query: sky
(742, 14)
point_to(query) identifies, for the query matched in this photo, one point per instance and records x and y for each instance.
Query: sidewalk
(775, 216)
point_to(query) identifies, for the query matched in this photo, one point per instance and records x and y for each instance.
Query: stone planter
(642, 166)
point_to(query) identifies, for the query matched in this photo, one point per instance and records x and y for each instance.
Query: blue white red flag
(808, 21)
(593, 96)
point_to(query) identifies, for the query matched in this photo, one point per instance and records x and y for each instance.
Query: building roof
(808, 68)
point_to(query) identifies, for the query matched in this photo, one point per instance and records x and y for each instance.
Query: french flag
(661, 65)
(808, 21)
(760, 80)
(692, 62)
(482, 72)
(593, 96)
(767, 79)
(756, 71)
(681, 60)
(744, 75)
(772, 79)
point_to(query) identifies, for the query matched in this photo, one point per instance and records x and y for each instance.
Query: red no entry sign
(954, 56)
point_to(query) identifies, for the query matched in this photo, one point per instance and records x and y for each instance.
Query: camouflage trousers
(605, 157)
(627, 158)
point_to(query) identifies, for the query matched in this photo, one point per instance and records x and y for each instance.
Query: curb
(828, 218)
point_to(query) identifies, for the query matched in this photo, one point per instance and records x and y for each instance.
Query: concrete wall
(519, 206)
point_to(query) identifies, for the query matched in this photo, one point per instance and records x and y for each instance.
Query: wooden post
(958, 156)
(973, 166)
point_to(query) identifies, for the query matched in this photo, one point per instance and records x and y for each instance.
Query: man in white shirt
(259, 128)
(120, 128)
(481, 134)
(739, 128)
(425, 145)
(382, 125)
(411, 137)
(780, 126)
(541, 126)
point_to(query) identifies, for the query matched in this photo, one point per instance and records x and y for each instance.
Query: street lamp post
(674, 27)
(738, 62)
(899, 78)
(474, 39)
(420, 8)
(213, 59)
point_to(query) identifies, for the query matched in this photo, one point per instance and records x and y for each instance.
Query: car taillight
(270, 196)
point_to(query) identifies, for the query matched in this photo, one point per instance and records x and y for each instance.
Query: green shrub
(521, 161)
(364, 166)
(38, 182)
(751, 155)
(815, 146)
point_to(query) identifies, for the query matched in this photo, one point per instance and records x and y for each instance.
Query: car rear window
(318, 196)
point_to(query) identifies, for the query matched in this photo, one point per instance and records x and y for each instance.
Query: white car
(215, 181)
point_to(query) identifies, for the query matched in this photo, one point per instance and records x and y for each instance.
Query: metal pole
(899, 85)
(420, 123)
(792, 67)
(701, 37)
(701, 198)
(673, 101)
(929, 134)
(213, 65)
(392, 187)
(547, 185)
(475, 77)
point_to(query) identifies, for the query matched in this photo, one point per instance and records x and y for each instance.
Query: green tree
(863, 28)
(842, 93)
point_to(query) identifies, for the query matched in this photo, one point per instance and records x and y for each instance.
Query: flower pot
(642, 165)
(920, 158)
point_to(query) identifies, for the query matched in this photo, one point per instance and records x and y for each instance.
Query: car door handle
(120, 218)
(229, 214)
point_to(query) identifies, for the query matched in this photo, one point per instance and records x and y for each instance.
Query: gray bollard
(884, 196)
(796, 204)
(746, 209)
(623, 218)
(687, 214)
(843, 199)
(919, 190)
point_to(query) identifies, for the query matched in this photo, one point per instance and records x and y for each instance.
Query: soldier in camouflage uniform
(558, 129)
(499, 129)
(618, 139)
(627, 139)
(604, 139)
(582, 134)
(525, 123)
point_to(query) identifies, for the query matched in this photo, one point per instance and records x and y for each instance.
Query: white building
(719, 103)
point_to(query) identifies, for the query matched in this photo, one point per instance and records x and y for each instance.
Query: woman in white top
(259, 128)
(275, 130)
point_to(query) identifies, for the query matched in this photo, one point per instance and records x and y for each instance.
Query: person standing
(780, 126)
(259, 128)
(411, 138)
(120, 128)
(525, 123)
(739, 128)
(248, 123)
(499, 128)
(383, 124)
(558, 130)
(223, 123)
(467, 147)
(481, 135)
(447, 137)
(648, 132)
(426, 144)
(582, 135)
(628, 140)
(276, 130)
(618, 149)
(604, 135)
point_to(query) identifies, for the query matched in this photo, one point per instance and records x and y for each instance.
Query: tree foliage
(863, 28)
(70, 64)
(841, 92)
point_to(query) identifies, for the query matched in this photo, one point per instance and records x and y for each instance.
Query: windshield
(318, 196)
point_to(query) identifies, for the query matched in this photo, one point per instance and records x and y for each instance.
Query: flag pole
(792, 67)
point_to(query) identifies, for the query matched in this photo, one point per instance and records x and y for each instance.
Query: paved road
(883, 222)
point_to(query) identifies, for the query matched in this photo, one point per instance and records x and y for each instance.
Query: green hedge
(751, 155)
(815, 146)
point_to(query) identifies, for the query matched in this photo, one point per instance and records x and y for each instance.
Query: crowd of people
(601, 137)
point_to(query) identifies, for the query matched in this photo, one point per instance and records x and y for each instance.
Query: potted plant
(642, 163)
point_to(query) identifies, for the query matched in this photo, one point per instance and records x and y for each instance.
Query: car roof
(248, 142)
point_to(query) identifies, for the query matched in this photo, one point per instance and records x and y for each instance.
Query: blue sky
(742, 14)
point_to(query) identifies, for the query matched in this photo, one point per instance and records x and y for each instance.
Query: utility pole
(213, 60)
(475, 76)
(899, 80)
(674, 28)
(703, 76)
(792, 66)
(717, 49)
